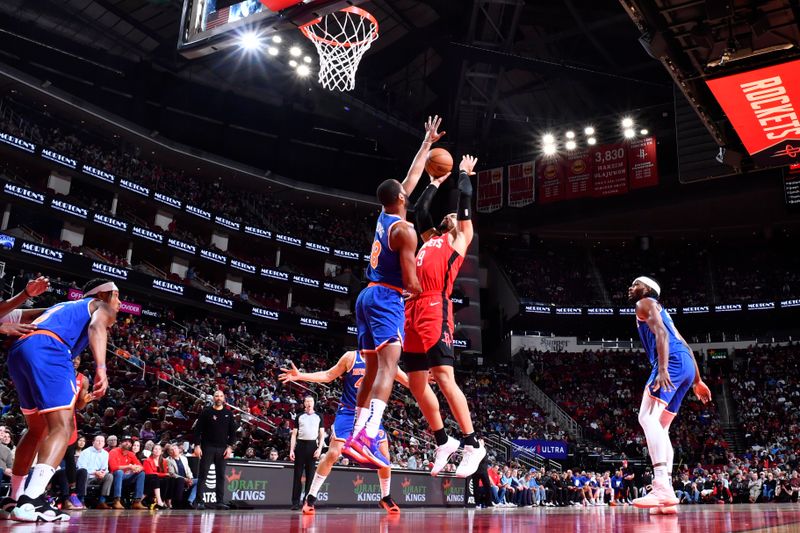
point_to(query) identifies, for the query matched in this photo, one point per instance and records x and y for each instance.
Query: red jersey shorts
(429, 321)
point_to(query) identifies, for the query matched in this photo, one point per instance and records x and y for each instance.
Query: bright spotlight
(303, 71)
(592, 141)
(570, 135)
(249, 41)
(588, 130)
(548, 138)
(272, 50)
(549, 149)
(277, 39)
(629, 133)
(571, 145)
(627, 122)
(295, 51)
(293, 63)
(644, 131)
(307, 59)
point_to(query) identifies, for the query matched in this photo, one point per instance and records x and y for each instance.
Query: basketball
(439, 162)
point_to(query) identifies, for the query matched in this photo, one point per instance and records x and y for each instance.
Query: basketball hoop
(341, 39)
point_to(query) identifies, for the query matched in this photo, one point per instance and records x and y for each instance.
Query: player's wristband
(101, 367)
(464, 197)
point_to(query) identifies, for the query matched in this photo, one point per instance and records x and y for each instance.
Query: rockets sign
(763, 107)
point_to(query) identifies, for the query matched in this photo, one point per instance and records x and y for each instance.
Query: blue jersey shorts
(681, 372)
(41, 369)
(380, 317)
(343, 425)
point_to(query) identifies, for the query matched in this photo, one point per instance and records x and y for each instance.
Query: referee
(308, 436)
(214, 434)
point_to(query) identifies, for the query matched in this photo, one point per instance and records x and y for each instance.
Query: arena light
(549, 149)
(627, 122)
(592, 141)
(570, 134)
(295, 51)
(548, 138)
(644, 131)
(303, 71)
(307, 59)
(588, 130)
(629, 133)
(273, 51)
(293, 63)
(249, 41)
(571, 145)
(277, 39)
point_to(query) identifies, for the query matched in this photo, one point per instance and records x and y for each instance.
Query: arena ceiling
(500, 71)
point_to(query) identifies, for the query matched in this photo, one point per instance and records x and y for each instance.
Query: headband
(650, 283)
(105, 287)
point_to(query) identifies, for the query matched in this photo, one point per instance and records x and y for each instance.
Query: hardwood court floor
(700, 518)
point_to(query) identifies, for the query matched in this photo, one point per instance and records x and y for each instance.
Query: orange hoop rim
(350, 9)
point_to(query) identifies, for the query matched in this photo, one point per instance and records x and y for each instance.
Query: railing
(548, 405)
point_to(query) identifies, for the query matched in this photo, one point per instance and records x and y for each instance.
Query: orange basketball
(439, 162)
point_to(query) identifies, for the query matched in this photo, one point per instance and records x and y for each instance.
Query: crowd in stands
(566, 273)
(346, 228)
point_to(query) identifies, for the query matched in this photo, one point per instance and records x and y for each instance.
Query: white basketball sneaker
(470, 460)
(442, 455)
(662, 495)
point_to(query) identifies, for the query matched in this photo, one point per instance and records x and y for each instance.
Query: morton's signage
(60, 159)
(763, 106)
(16, 142)
(99, 174)
(25, 194)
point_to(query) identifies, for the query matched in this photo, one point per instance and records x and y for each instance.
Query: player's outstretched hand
(289, 374)
(438, 181)
(432, 134)
(702, 391)
(468, 163)
(100, 384)
(37, 286)
(16, 330)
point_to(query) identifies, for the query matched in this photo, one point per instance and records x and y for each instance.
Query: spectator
(157, 479)
(127, 470)
(180, 471)
(92, 468)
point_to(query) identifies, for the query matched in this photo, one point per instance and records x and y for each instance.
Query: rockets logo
(788, 151)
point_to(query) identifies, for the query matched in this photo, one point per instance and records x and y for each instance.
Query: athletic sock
(17, 486)
(376, 408)
(39, 479)
(362, 415)
(441, 436)
(316, 484)
(660, 472)
(385, 485)
(470, 440)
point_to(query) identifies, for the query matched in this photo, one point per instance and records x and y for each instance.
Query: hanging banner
(642, 163)
(609, 170)
(521, 185)
(762, 105)
(578, 182)
(550, 180)
(490, 190)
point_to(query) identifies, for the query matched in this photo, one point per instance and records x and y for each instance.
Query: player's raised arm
(34, 288)
(404, 240)
(432, 135)
(464, 229)
(647, 310)
(344, 363)
(422, 209)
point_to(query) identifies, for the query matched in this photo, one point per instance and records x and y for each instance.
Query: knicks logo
(375, 254)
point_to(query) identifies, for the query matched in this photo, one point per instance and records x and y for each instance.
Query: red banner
(125, 307)
(763, 107)
(490, 190)
(521, 186)
(550, 179)
(578, 170)
(642, 163)
(609, 170)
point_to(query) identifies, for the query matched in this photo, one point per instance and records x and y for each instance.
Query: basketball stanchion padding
(341, 39)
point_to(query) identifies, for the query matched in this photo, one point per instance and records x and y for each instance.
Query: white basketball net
(341, 39)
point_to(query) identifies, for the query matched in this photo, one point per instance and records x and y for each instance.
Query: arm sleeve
(464, 196)
(422, 209)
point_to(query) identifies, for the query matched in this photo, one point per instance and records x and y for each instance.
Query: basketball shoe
(442, 454)
(470, 460)
(36, 510)
(662, 495)
(370, 449)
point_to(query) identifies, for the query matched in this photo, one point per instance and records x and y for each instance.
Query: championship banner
(578, 168)
(521, 186)
(761, 107)
(490, 190)
(550, 180)
(609, 170)
(642, 163)
(549, 449)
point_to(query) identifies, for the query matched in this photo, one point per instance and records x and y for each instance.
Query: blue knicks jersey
(649, 338)
(70, 321)
(352, 381)
(384, 263)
